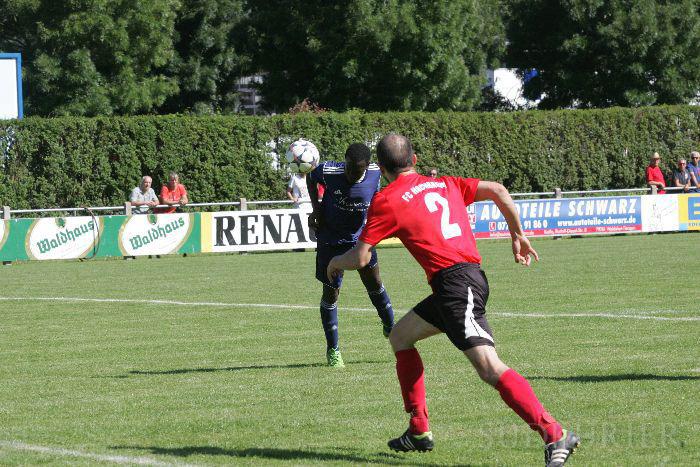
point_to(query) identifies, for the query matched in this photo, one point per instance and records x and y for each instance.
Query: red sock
(409, 369)
(518, 394)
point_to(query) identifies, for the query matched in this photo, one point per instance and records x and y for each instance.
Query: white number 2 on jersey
(432, 200)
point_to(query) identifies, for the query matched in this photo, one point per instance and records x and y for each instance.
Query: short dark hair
(358, 152)
(394, 152)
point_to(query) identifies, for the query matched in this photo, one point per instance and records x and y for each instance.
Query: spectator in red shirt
(654, 175)
(428, 215)
(173, 194)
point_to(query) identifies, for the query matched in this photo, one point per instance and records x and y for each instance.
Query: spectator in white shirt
(143, 197)
(297, 191)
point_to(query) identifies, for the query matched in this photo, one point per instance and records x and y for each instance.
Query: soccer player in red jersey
(428, 215)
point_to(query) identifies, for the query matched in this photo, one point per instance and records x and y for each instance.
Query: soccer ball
(302, 156)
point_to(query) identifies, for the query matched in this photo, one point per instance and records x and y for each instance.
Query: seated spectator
(681, 176)
(694, 169)
(143, 197)
(433, 172)
(297, 191)
(173, 194)
(654, 175)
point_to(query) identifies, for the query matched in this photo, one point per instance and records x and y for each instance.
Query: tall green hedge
(63, 162)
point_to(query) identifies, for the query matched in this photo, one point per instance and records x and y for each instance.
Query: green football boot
(386, 330)
(335, 360)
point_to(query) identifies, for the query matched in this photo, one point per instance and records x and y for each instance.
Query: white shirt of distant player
(297, 183)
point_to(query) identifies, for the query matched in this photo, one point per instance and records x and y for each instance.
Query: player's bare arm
(522, 250)
(356, 258)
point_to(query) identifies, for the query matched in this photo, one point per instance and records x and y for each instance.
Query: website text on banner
(560, 216)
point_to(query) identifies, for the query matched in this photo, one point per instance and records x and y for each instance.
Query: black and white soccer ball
(302, 156)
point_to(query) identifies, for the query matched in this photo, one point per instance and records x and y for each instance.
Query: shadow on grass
(340, 454)
(179, 371)
(614, 378)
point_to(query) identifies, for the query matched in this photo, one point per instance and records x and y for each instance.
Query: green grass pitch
(607, 330)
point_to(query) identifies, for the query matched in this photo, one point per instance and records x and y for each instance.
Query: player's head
(357, 158)
(395, 153)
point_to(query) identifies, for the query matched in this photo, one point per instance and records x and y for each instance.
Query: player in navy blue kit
(338, 220)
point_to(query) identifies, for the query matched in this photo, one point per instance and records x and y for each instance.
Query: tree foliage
(596, 53)
(91, 57)
(127, 57)
(210, 37)
(375, 54)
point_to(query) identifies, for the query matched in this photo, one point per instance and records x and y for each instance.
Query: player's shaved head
(394, 153)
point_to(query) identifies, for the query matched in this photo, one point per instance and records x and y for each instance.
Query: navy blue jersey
(344, 206)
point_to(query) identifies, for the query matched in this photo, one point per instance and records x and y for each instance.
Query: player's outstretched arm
(356, 258)
(522, 250)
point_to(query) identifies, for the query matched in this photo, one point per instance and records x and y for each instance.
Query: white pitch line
(594, 315)
(54, 451)
(499, 314)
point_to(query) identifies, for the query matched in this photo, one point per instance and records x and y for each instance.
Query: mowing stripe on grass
(498, 314)
(20, 446)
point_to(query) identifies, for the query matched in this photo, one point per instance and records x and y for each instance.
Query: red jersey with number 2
(429, 216)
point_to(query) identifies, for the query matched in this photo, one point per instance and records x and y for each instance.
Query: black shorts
(458, 304)
(324, 255)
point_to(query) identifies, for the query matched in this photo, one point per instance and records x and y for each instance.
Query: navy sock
(329, 319)
(380, 300)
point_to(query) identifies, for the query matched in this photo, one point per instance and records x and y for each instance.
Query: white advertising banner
(10, 86)
(152, 234)
(279, 229)
(63, 237)
(660, 213)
